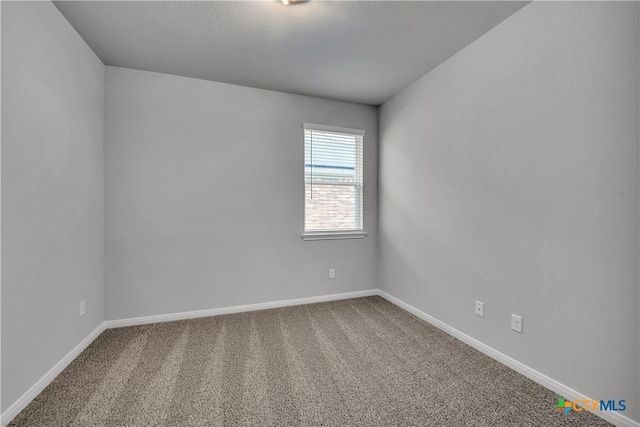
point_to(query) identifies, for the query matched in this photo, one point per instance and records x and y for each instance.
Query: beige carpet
(359, 362)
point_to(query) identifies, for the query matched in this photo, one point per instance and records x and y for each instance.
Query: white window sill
(334, 235)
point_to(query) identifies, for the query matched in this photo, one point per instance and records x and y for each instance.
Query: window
(333, 182)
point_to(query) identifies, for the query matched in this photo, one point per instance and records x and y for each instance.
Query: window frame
(331, 234)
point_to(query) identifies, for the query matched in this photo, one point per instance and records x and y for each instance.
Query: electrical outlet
(82, 308)
(479, 309)
(516, 323)
(332, 273)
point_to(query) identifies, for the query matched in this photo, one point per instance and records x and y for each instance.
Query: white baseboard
(35, 390)
(567, 392)
(235, 309)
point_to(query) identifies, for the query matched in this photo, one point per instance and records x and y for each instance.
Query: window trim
(336, 129)
(333, 234)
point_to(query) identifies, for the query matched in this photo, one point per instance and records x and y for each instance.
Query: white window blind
(333, 166)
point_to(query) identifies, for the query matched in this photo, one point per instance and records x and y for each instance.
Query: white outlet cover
(479, 308)
(516, 323)
(332, 273)
(81, 308)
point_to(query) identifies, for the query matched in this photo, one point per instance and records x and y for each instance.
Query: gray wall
(52, 192)
(204, 196)
(509, 174)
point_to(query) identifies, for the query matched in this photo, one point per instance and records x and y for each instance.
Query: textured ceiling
(361, 52)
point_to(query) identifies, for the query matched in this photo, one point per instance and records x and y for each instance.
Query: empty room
(320, 213)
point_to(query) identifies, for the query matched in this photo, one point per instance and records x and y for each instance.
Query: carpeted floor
(359, 362)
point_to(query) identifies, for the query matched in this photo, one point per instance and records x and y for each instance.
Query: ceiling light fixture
(288, 2)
